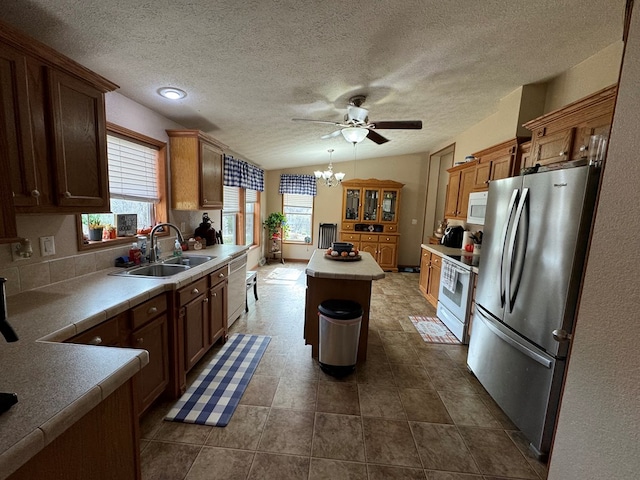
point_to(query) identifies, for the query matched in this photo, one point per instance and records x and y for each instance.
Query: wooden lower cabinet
(194, 318)
(383, 248)
(102, 445)
(430, 268)
(218, 306)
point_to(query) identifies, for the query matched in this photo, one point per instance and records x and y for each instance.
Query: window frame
(241, 216)
(161, 208)
(313, 212)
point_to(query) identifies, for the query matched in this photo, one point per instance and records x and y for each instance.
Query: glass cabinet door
(370, 211)
(352, 204)
(389, 205)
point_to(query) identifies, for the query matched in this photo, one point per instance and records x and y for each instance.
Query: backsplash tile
(62, 269)
(85, 264)
(34, 276)
(12, 275)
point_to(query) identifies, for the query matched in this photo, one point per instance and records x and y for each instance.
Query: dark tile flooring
(412, 411)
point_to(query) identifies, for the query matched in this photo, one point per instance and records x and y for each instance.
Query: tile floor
(412, 411)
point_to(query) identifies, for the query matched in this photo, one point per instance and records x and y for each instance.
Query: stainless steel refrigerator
(533, 253)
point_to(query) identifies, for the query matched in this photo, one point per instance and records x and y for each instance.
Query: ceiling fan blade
(331, 135)
(376, 137)
(400, 124)
(314, 121)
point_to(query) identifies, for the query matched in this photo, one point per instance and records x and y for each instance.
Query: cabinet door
(210, 176)
(351, 202)
(596, 126)
(196, 330)
(217, 313)
(154, 377)
(467, 181)
(389, 205)
(434, 280)
(553, 148)
(387, 255)
(425, 260)
(502, 167)
(482, 175)
(453, 189)
(371, 248)
(79, 137)
(371, 203)
(16, 145)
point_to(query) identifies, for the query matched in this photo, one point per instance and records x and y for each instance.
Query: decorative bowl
(341, 247)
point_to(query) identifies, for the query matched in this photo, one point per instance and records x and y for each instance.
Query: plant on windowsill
(95, 228)
(274, 222)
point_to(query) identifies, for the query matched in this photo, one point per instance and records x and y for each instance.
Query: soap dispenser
(177, 248)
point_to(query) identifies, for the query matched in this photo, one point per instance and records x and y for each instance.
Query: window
(239, 216)
(299, 212)
(136, 185)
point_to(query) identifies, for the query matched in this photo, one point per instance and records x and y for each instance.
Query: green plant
(95, 222)
(274, 222)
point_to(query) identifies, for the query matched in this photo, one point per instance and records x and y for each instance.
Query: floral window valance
(238, 173)
(298, 184)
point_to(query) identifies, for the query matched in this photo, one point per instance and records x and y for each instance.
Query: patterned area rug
(286, 274)
(431, 329)
(214, 396)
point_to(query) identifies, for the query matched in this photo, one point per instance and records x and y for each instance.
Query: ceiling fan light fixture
(354, 134)
(172, 93)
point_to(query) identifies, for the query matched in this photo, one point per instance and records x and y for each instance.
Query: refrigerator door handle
(505, 232)
(520, 234)
(545, 362)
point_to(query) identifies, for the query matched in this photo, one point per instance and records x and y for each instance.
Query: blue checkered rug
(214, 396)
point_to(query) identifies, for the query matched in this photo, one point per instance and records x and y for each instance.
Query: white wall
(598, 430)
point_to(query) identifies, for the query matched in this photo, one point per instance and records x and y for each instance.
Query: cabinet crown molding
(372, 182)
(197, 134)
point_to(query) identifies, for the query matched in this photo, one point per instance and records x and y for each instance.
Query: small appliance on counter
(453, 237)
(7, 400)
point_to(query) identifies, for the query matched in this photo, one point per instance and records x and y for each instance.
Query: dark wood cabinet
(194, 319)
(218, 295)
(196, 170)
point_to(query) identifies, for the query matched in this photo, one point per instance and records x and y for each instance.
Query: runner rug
(215, 394)
(431, 329)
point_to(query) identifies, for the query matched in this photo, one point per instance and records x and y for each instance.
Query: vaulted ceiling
(250, 66)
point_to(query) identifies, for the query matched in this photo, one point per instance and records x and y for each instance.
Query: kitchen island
(341, 280)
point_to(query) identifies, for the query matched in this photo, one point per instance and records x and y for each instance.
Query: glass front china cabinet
(370, 213)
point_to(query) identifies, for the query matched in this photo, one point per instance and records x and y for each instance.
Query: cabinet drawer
(188, 293)
(148, 311)
(365, 237)
(436, 260)
(106, 333)
(218, 276)
(390, 228)
(348, 226)
(349, 237)
(387, 238)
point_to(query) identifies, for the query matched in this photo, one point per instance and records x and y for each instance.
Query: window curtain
(298, 184)
(238, 173)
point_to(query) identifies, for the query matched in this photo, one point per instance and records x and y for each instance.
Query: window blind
(251, 196)
(231, 199)
(133, 170)
(294, 200)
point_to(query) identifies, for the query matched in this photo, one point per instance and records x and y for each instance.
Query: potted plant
(274, 222)
(95, 228)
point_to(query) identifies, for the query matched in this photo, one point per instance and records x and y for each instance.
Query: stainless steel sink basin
(191, 260)
(156, 270)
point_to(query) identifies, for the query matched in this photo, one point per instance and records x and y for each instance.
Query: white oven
(454, 297)
(477, 207)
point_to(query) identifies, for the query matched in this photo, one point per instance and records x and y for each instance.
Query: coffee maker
(6, 399)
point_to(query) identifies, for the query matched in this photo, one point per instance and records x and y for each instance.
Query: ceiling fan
(356, 125)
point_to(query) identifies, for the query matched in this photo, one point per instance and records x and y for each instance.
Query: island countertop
(366, 268)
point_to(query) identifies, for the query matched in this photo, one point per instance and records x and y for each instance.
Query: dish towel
(449, 276)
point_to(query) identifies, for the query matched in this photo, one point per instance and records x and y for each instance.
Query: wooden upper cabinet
(53, 128)
(496, 162)
(453, 189)
(564, 134)
(78, 123)
(462, 180)
(196, 170)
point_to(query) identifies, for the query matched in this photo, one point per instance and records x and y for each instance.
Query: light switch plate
(47, 246)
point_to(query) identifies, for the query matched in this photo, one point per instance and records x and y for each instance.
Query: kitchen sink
(156, 270)
(190, 260)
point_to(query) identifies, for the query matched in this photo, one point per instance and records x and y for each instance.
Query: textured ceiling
(250, 66)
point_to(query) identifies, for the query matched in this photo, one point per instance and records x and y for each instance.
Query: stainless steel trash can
(339, 333)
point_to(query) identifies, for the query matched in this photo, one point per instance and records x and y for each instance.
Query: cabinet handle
(583, 148)
(152, 310)
(424, 254)
(35, 193)
(139, 341)
(97, 340)
(67, 194)
(215, 294)
(562, 154)
(204, 200)
(195, 291)
(206, 300)
(221, 275)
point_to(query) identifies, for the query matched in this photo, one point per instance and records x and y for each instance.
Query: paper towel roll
(466, 239)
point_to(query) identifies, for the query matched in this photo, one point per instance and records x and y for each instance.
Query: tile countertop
(364, 269)
(449, 251)
(58, 383)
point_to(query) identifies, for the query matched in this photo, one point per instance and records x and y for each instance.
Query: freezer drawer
(523, 380)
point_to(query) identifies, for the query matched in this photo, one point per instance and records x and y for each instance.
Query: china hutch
(370, 214)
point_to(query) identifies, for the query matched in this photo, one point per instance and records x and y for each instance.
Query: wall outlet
(47, 246)
(414, 221)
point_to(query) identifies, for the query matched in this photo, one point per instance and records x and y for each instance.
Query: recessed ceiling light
(172, 93)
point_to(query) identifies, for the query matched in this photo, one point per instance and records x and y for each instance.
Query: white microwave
(477, 207)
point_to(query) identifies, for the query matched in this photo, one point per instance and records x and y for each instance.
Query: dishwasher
(237, 291)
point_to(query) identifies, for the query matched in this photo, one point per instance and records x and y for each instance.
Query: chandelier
(328, 178)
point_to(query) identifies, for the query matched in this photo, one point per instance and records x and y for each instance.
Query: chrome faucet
(154, 254)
